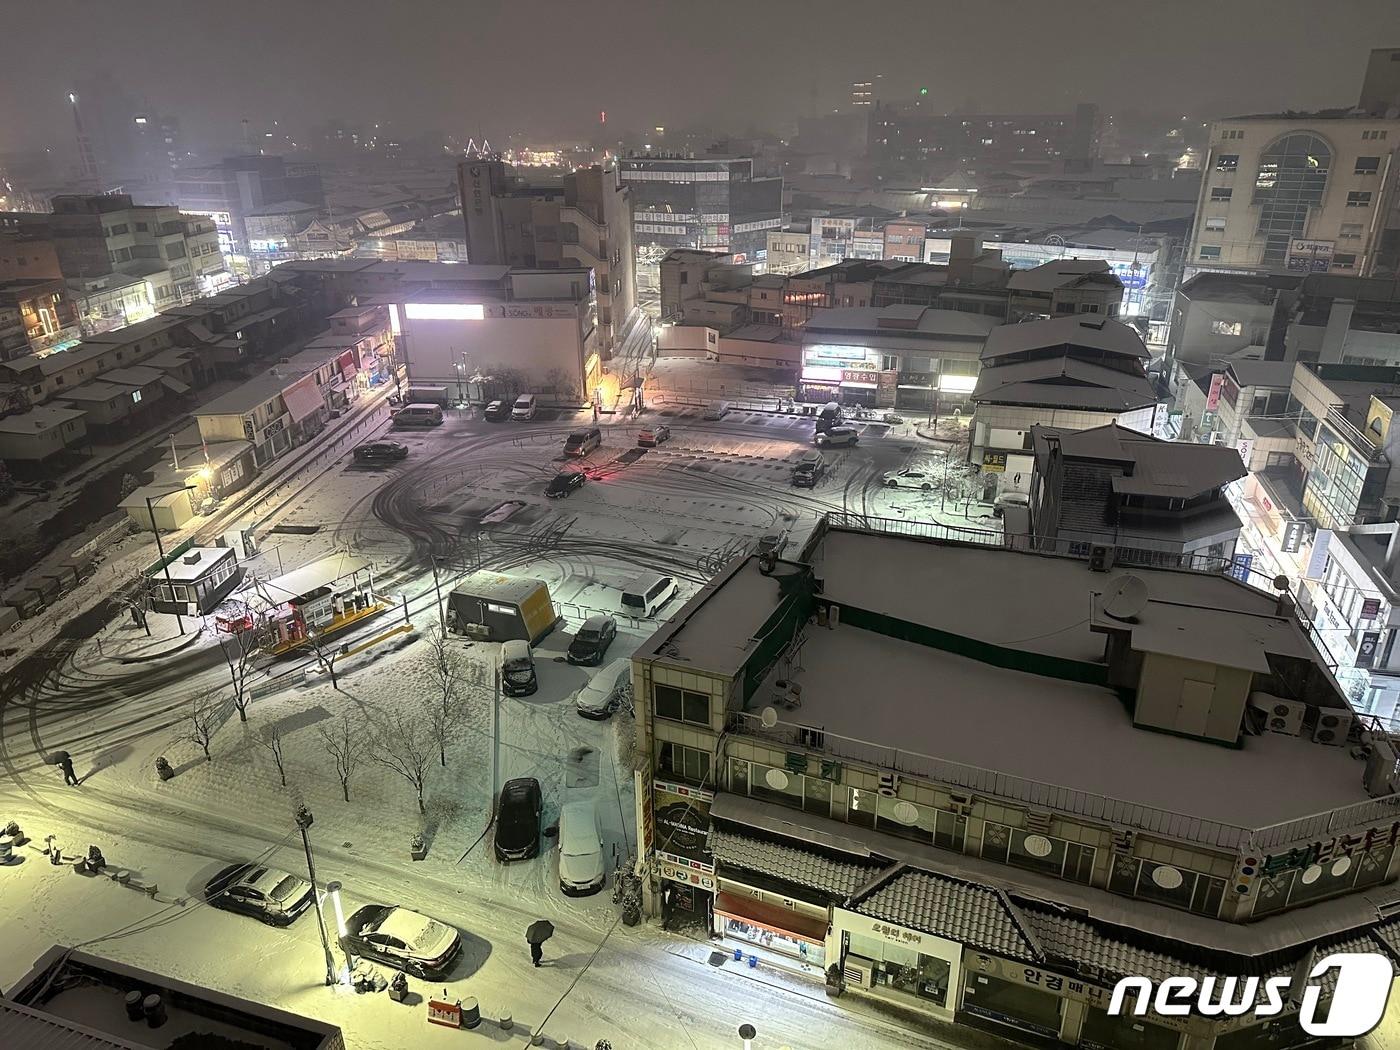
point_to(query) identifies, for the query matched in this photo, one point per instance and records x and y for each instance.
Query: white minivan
(717, 410)
(580, 850)
(524, 407)
(647, 593)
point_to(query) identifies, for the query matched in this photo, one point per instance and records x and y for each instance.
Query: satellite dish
(769, 717)
(1125, 598)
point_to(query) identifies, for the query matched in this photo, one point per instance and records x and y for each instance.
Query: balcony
(1358, 440)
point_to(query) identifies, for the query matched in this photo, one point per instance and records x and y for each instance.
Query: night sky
(543, 69)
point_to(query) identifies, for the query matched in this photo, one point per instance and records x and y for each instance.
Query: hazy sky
(545, 68)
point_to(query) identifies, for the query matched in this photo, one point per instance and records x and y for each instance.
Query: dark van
(582, 442)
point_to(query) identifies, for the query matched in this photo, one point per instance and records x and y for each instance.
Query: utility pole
(304, 821)
(437, 586)
(150, 510)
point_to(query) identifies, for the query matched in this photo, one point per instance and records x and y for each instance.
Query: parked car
(717, 410)
(591, 643)
(518, 668)
(402, 939)
(419, 414)
(908, 478)
(581, 870)
(647, 593)
(267, 894)
(582, 442)
(518, 820)
(524, 407)
(564, 484)
(380, 451)
(650, 437)
(837, 437)
(1009, 499)
(496, 411)
(606, 691)
(809, 469)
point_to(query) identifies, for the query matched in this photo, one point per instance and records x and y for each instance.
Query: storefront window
(811, 954)
(776, 785)
(1315, 882)
(1035, 852)
(904, 969)
(1102, 1032)
(1164, 884)
(1018, 1005)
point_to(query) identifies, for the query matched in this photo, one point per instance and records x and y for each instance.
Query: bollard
(506, 1022)
(133, 1005)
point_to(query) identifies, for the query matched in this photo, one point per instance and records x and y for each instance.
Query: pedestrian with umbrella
(536, 934)
(65, 761)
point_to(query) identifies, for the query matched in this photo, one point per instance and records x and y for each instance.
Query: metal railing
(1352, 434)
(1003, 787)
(930, 530)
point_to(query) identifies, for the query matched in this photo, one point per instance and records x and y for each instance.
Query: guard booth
(495, 607)
(326, 596)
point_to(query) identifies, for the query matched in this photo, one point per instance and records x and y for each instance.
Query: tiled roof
(799, 866)
(1068, 938)
(960, 911)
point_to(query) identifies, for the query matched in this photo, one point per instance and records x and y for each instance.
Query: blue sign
(1239, 567)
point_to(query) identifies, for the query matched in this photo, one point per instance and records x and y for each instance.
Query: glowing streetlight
(333, 892)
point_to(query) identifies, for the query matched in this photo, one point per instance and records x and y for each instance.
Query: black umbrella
(539, 931)
(57, 758)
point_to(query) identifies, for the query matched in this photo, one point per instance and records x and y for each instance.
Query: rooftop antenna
(1125, 598)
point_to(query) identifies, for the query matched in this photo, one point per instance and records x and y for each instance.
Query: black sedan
(564, 484)
(518, 822)
(268, 895)
(380, 451)
(402, 939)
(496, 411)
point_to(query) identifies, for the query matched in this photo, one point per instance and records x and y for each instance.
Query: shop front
(915, 967)
(784, 932)
(679, 818)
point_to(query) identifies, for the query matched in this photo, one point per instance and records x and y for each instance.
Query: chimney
(1334, 337)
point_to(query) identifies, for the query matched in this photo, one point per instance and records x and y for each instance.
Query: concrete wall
(774, 354)
(548, 352)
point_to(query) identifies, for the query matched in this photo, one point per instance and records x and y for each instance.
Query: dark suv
(591, 643)
(518, 820)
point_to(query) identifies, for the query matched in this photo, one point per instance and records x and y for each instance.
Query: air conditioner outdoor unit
(1100, 557)
(1333, 726)
(858, 971)
(889, 784)
(1379, 778)
(1280, 715)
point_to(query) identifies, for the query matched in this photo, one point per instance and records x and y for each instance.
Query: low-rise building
(1126, 498)
(1064, 286)
(192, 581)
(257, 412)
(30, 440)
(36, 317)
(921, 842)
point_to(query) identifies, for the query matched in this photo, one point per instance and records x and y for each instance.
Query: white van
(717, 410)
(524, 407)
(606, 690)
(580, 850)
(518, 668)
(647, 593)
(418, 415)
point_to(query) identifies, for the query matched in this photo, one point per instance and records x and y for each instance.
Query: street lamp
(304, 821)
(150, 510)
(333, 892)
(461, 399)
(748, 1034)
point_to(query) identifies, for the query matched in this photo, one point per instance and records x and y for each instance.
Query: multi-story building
(789, 249)
(1305, 192)
(36, 317)
(923, 844)
(711, 203)
(583, 221)
(1125, 497)
(912, 138)
(1071, 373)
(1064, 286)
(230, 191)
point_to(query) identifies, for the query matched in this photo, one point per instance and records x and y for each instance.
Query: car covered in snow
(607, 691)
(402, 939)
(908, 478)
(496, 411)
(837, 437)
(380, 451)
(267, 894)
(562, 485)
(652, 436)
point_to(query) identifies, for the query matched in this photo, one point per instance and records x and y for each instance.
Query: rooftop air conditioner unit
(858, 971)
(1100, 558)
(1379, 778)
(1280, 715)
(1333, 726)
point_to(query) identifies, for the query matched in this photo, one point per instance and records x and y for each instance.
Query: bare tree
(240, 652)
(326, 653)
(404, 744)
(448, 671)
(270, 736)
(204, 721)
(345, 740)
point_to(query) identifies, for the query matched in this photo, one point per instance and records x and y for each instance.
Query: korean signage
(994, 462)
(1245, 447)
(475, 188)
(682, 825)
(1332, 849)
(536, 312)
(1370, 608)
(866, 926)
(1366, 650)
(1309, 256)
(1293, 534)
(1239, 566)
(1217, 382)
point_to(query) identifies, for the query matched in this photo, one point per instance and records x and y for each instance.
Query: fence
(928, 530)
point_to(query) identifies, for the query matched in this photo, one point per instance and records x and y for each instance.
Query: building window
(1215, 224)
(1352, 231)
(1344, 261)
(1227, 328)
(1036, 852)
(1359, 199)
(1367, 165)
(1221, 193)
(1164, 884)
(685, 763)
(120, 229)
(1210, 251)
(1227, 162)
(1330, 878)
(1373, 136)
(142, 227)
(681, 705)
